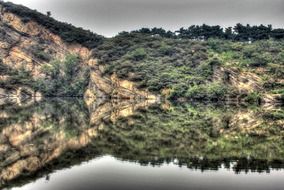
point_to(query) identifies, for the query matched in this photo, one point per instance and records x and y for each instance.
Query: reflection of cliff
(113, 110)
(38, 134)
(51, 135)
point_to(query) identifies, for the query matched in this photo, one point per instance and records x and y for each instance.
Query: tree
(277, 33)
(48, 13)
(242, 32)
(138, 54)
(64, 78)
(229, 35)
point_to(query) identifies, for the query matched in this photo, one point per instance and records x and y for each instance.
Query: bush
(197, 92)
(166, 50)
(206, 69)
(138, 54)
(42, 55)
(211, 91)
(258, 60)
(253, 98)
(20, 77)
(178, 92)
(64, 78)
(274, 115)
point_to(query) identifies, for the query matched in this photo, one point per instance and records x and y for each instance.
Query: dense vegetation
(67, 32)
(186, 67)
(61, 78)
(64, 78)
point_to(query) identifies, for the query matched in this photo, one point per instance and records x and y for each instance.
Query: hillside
(43, 57)
(211, 69)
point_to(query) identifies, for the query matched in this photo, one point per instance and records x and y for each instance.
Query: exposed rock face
(245, 83)
(103, 87)
(272, 98)
(23, 44)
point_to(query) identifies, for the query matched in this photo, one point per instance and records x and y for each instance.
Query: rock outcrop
(245, 83)
(104, 87)
(29, 45)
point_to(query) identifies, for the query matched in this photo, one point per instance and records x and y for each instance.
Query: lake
(59, 144)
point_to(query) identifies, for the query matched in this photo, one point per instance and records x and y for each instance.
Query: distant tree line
(72, 34)
(203, 32)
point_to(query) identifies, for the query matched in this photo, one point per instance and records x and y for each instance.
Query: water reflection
(110, 173)
(38, 138)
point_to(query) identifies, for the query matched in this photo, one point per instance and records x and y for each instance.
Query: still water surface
(65, 144)
(108, 172)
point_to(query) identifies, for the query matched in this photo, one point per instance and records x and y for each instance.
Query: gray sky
(108, 17)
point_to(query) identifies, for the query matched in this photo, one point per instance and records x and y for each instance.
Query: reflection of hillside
(34, 136)
(201, 137)
(59, 133)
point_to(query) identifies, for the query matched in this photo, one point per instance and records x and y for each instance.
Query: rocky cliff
(28, 45)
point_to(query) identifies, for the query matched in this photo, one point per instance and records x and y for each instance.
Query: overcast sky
(108, 17)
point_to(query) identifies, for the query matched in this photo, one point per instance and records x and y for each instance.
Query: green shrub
(253, 98)
(64, 78)
(197, 92)
(178, 92)
(274, 115)
(42, 55)
(166, 50)
(138, 54)
(259, 60)
(206, 69)
(210, 91)
(21, 77)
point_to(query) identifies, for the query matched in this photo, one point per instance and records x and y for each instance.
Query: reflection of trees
(200, 137)
(38, 138)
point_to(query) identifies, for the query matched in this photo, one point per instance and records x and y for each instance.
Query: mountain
(42, 57)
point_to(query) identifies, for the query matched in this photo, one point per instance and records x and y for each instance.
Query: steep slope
(32, 51)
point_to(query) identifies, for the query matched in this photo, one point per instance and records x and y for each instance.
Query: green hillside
(186, 67)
